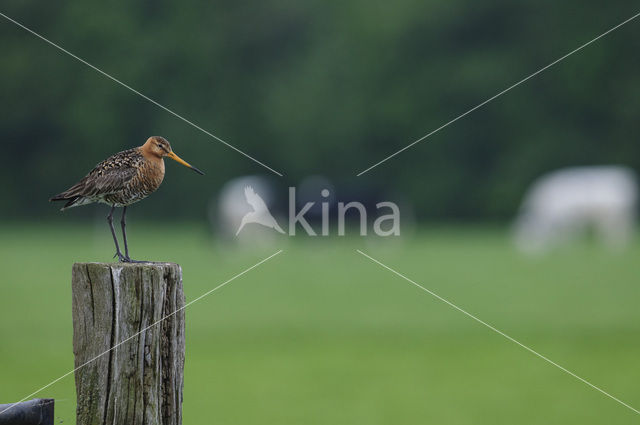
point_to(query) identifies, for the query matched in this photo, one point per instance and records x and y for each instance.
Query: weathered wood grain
(139, 382)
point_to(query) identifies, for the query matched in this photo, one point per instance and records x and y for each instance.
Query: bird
(260, 213)
(121, 180)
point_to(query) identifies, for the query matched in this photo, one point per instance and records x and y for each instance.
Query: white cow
(562, 204)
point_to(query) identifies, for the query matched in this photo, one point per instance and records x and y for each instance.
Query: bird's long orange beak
(176, 158)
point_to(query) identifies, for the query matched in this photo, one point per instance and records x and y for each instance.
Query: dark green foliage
(319, 87)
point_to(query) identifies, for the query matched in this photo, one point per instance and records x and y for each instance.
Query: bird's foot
(129, 260)
(122, 258)
(126, 259)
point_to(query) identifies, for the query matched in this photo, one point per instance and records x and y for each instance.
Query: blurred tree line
(316, 87)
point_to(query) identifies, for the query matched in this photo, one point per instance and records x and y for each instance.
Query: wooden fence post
(140, 381)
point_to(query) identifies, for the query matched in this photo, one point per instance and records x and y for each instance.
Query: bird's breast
(149, 178)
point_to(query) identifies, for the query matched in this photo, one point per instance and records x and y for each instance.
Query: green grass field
(322, 335)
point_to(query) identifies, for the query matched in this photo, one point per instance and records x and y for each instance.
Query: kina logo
(384, 224)
(260, 214)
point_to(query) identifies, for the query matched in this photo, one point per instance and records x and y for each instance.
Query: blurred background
(327, 89)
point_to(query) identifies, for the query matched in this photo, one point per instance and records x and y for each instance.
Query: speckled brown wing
(109, 177)
(107, 182)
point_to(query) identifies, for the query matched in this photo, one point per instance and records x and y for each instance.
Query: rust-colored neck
(154, 164)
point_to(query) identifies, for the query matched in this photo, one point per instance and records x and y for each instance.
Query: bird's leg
(123, 224)
(115, 238)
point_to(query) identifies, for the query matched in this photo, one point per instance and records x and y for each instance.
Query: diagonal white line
(145, 329)
(449, 303)
(499, 94)
(140, 94)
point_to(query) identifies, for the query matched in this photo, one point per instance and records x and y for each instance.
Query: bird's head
(159, 147)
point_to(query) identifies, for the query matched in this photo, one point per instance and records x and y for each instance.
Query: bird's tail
(72, 201)
(75, 196)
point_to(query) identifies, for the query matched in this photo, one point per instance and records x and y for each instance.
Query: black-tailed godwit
(121, 180)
